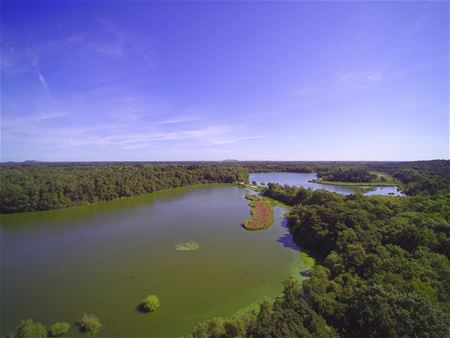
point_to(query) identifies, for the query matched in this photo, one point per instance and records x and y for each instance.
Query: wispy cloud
(178, 120)
(29, 120)
(305, 91)
(117, 42)
(343, 82)
(38, 131)
(40, 76)
(420, 66)
(110, 40)
(113, 44)
(375, 76)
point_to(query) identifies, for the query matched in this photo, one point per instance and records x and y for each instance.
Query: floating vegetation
(90, 323)
(187, 246)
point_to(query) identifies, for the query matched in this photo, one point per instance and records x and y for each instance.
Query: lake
(106, 257)
(303, 180)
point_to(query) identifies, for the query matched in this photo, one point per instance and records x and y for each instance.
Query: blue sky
(85, 81)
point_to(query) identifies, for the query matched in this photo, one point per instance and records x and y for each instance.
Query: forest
(32, 187)
(383, 271)
(37, 186)
(349, 175)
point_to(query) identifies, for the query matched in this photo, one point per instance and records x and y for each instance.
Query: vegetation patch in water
(261, 213)
(59, 329)
(30, 329)
(90, 323)
(150, 304)
(187, 246)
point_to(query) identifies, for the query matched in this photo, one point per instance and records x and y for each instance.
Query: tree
(211, 328)
(150, 303)
(382, 311)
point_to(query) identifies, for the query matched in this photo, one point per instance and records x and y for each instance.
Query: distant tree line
(264, 167)
(416, 177)
(43, 187)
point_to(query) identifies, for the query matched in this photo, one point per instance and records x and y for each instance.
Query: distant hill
(231, 160)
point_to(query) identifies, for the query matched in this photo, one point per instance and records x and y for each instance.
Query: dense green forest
(349, 175)
(384, 264)
(41, 186)
(50, 186)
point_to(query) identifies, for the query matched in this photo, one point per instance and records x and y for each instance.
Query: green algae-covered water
(105, 257)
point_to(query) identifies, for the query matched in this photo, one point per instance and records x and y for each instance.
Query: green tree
(150, 303)
(211, 328)
(381, 311)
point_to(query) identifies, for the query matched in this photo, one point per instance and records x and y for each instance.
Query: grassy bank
(261, 213)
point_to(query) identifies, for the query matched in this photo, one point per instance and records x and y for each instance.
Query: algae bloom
(187, 246)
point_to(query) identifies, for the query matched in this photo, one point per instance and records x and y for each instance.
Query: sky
(162, 81)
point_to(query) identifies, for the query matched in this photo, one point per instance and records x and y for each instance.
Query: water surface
(303, 180)
(105, 257)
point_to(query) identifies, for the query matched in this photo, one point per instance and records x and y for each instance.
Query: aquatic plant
(59, 329)
(187, 246)
(150, 303)
(29, 329)
(90, 323)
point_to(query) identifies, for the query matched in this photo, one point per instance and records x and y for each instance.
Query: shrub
(29, 329)
(59, 329)
(220, 327)
(213, 327)
(150, 303)
(90, 323)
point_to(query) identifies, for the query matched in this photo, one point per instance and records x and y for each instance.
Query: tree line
(36, 186)
(43, 187)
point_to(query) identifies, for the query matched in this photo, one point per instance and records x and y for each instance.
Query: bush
(30, 329)
(220, 327)
(90, 323)
(59, 329)
(150, 303)
(213, 327)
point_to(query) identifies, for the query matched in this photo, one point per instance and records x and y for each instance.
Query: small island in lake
(354, 177)
(261, 213)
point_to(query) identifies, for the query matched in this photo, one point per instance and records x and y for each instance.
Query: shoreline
(355, 184)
